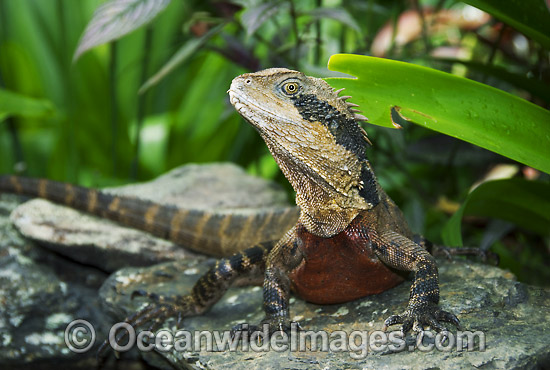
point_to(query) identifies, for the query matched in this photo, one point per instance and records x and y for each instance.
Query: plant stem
(425, 37)
(494, 48)
(142, 99)
(114, 104)
(294, 17)
(495, 45)
(317, 60)
(19, 165)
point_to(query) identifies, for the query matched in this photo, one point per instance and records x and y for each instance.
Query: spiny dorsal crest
(356, 112)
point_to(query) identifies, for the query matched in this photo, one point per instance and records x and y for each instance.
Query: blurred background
(155, 98)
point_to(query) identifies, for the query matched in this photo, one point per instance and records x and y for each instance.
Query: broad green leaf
(530, 17)
(455, 106)
(185, 52)
(525, 203)
(116, 18)
(13, 104)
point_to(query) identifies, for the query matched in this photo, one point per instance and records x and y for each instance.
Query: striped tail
(215, 233)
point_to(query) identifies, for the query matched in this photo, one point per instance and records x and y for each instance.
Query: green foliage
(115, 19)
(12, 104)
(184, 53)
(531, 18)
(525, 203)
(455, 106)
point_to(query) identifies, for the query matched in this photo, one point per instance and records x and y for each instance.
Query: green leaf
(532, 85)
(529, 17)
(455, 106)
(525, 203)
(116, 18)
(253, 17)
(338, 14)
(13, 104)
(185, 52)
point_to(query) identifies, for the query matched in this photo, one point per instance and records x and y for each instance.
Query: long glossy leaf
(525, 203)
(185, 52)
(338, 14)
(253, 17)
(13, 104)
(455, 106)
(116, 18)
(530, 17)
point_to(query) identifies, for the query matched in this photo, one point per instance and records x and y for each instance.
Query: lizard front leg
(402, 253)
(284, 257)
(246, 266)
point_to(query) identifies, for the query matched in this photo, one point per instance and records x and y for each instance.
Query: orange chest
(341, 268)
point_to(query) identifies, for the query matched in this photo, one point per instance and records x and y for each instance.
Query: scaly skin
(313, 135)
(215, 234)
(348, 227)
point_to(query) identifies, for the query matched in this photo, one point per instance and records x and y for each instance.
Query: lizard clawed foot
(151, 317)
(483, 255)
(422, 315)
(267, 327)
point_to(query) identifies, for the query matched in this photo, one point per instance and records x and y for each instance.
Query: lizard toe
(447, 317)
(392, 320)
(151, 317)
(420, 316)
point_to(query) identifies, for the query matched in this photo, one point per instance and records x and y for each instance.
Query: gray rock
(109, 246)
(42, 291)
(38, 301)
(513, 318)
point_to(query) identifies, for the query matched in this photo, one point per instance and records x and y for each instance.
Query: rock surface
(513, 318)
(40, 294)
(109, 246)
(42, 291)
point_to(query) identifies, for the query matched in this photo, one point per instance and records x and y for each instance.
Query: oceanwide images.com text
(80, 337)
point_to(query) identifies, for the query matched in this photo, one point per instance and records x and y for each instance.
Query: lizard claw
(267, 327)
(152, 316)
(417, 317)
(281, 325)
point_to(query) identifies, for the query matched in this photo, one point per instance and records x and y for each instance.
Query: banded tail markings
(244, 234)
(199, 229)
(224, 224)
(114, 206)
(217, 233)
(43, 188)
(260, 230)
(92, 201)
(150, 218)
(69, 194)
(176, 223)
(16, 184)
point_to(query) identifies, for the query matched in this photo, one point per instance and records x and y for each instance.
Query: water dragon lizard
(349, 238)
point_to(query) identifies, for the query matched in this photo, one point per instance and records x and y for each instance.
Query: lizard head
(313, 134)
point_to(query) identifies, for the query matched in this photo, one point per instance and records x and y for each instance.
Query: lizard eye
(291, 88)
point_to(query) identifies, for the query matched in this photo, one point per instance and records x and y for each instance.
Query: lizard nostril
(248, 81)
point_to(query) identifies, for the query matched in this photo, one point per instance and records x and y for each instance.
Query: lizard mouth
(253, 112)
(244, 106)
